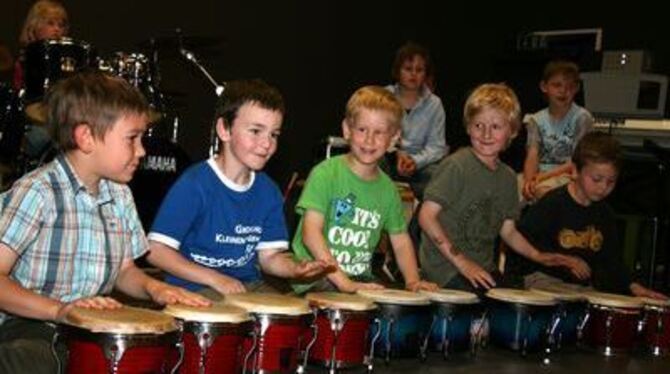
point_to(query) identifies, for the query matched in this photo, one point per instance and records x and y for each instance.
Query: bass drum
(160, 168)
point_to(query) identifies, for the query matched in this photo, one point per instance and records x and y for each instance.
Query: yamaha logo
(160, 163)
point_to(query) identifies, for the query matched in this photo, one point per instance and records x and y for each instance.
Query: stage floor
(497, 360)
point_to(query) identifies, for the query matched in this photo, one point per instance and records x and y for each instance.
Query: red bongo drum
(612, 322)
(343, 329)
(211, 337)
(124, 341)
(279, 327)
(656, 323)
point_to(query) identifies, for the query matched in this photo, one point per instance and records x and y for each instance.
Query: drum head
(268, 303)
(336, 300)
(655, 302)
(125, 320)
(613, 300)
(520, 296)
(395, 297)
(216, 313)
(559, 293)
(451, 296)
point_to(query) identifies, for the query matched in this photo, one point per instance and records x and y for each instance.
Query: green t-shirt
(475, 202)
(355, 211)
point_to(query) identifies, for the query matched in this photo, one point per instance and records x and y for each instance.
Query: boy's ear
(83, 137)
(543, 87)
(346, 131)
(222, 132)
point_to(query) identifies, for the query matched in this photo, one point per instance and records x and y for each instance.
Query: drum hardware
(218, 88)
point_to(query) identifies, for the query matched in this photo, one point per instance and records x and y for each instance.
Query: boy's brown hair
(497, 96)
(563, 67)
(240, 92)
(406, 52)
(597, 147)
(374, 98)
(92, 98)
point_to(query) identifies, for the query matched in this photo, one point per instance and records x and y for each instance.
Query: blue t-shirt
(220, 224)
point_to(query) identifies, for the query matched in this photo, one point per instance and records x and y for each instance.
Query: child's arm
(280, 263)
(312, 236)
(519, 244)
(168, 259)
(20, 301)
(428, 219)
(404, 256)
(565, 168)
(641, 291)
(134, 282)
(530, 170)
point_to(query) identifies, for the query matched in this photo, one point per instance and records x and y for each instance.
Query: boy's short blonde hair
(375, 98)
(92, 98)
(39, 13)
(497, 96)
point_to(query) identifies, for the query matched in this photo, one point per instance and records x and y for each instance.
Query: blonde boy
(348, 201)
(472, 199)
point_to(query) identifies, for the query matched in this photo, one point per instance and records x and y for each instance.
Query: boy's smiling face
(369, 134)
(252, 137)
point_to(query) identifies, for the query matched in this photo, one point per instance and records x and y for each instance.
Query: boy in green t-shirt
(348, 201)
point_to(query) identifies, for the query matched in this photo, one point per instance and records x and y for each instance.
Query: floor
(497, 360)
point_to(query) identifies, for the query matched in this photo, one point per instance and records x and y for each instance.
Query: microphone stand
(218, 89)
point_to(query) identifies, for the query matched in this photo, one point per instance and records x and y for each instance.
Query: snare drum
(453, 318)
(126, 340)
(404, 323)
(211, 337)
(280, 323)
(342, 330)
(48, 61)
(657, 326)
(571, 309)
(612, 322)
(521, 320)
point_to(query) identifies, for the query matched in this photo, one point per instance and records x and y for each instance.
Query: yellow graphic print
(591, 238)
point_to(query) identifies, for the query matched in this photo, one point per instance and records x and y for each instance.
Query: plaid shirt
(69, 243)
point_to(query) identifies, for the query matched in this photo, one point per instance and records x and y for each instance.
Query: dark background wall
(319, 52)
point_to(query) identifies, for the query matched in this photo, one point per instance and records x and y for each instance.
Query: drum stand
(261, 325)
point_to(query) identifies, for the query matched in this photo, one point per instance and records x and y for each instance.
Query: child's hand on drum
(421, 285)
(576, 265)
(163, 293)
(224, 285)
(474, 273)
(641, 291)
(352, 287)
(310, 269)
(96, 302)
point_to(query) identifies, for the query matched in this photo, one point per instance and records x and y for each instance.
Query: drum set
(25, 141)
(271, 333)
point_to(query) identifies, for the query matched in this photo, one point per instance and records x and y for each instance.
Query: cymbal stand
(218, 89)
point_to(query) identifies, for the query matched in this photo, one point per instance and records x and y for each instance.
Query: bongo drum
(211, 337)
(343, 329)
(656, 322)
(453, 318)
(404, 323)
(612, 322)
(280, 323)
(126, 340)
(571, 309)
(522, 320)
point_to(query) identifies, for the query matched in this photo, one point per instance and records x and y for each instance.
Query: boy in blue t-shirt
(223, 218)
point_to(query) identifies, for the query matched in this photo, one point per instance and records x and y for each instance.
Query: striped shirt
(70, 244)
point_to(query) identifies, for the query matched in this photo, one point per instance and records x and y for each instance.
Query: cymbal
(187, 41)
(37, 112)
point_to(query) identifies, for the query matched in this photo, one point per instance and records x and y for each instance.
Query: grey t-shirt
(475, 202)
